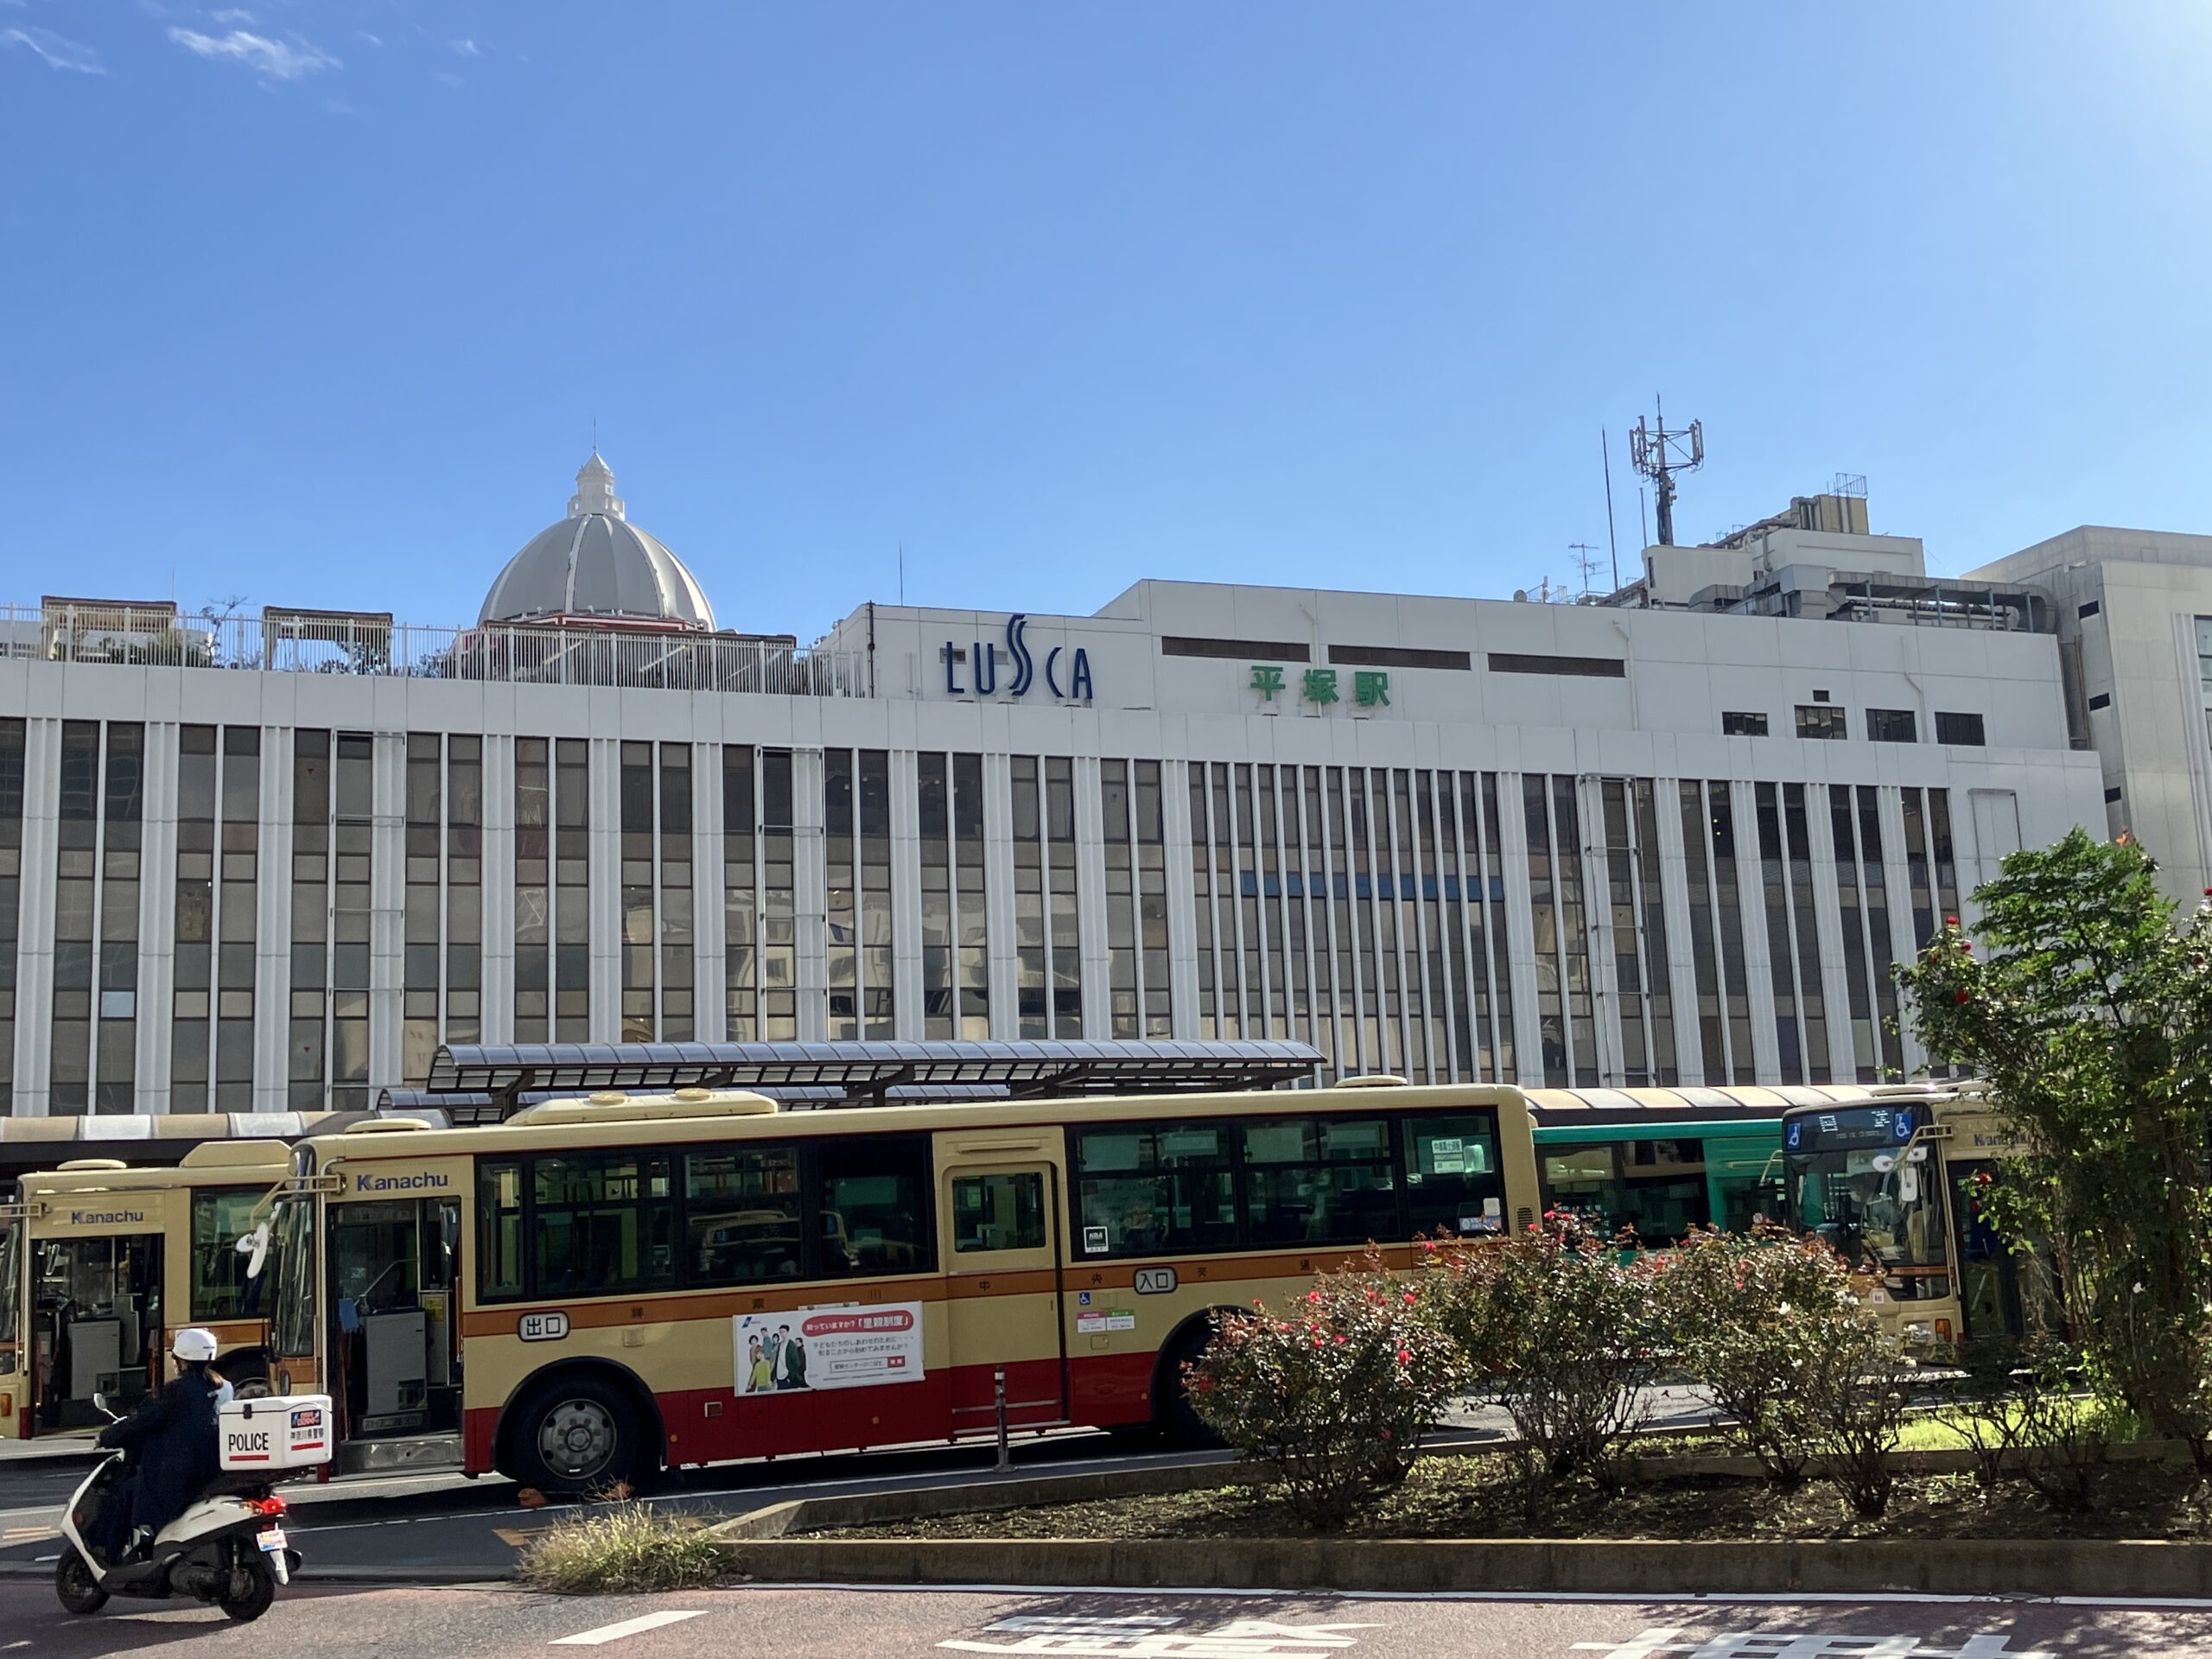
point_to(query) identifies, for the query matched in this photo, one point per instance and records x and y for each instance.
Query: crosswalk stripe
(636, 1626)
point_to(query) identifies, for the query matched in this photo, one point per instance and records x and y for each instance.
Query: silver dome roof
(595, 562)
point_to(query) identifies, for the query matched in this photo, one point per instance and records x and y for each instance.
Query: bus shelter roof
(867, 1072)
(477, 1107)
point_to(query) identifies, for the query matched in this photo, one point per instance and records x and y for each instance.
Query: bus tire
(1172, 1411)
(576, 1434)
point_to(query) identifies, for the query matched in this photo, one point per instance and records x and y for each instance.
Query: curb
(1949, 1568)
(761, 1545)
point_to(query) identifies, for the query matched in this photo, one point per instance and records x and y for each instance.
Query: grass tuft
(619, 1548)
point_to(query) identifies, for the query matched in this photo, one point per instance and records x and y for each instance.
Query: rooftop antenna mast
(1660, 454)
(1585, 562)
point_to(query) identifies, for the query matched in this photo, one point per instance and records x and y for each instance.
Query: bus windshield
(1876, 1206)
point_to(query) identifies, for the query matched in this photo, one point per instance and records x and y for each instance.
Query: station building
(268, 862)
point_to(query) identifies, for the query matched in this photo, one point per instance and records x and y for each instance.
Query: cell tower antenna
(1660, 455)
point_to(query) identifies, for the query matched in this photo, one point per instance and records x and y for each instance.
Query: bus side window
(871, 1203)
(499, 1229)
(742, 1216)
(1453, 1184)
(998, 1212)
(601, 1224)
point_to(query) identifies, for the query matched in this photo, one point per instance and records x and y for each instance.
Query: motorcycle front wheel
(251, 1587)
(73, 1584)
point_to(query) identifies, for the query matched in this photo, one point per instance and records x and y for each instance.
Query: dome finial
(595, 489)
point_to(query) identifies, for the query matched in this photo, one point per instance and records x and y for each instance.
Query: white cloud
(364, 34)
(233, 15)
(58, 51)
(258, 52)
(467, 48)
(445, 80)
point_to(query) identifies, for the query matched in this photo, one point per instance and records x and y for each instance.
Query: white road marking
(1109, 1637)
(1753, 1644)
(637, 1626)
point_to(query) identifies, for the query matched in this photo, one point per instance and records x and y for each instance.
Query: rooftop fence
(283, 641)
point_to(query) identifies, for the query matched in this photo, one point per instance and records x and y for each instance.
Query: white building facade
(271, 862)
(2134, 615)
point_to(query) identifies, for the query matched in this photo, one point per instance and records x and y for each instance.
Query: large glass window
(1452, 1181)
(1319, 1181)
(601, 1224)
(499, 1228)
(740, 902)
(613, 1222)
(1878, 1209)
(873, 1213)
(1145, 1190)
(1151, 1189)
(294, 1261)
(998, 1212)
(220, 1290)
(1655, 1189)
(742, 1216)
(11, 854)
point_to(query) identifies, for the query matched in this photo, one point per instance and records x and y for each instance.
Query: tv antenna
(1659, 454)
(1585, 564)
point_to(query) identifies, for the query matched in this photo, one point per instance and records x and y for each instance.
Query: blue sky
(315, 302)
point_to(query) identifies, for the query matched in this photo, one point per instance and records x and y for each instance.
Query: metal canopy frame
(860, 1073)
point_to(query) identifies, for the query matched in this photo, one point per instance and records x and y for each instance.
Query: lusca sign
(975, 672)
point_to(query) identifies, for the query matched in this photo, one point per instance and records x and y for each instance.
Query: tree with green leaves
(2089, 1011)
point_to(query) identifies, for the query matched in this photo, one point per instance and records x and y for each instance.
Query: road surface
(769, 1623)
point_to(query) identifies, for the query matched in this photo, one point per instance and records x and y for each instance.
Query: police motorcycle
(228, 1547)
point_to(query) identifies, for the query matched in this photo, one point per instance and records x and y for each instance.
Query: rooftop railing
(283, 641)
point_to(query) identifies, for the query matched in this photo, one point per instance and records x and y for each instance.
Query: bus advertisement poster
(847, 1346)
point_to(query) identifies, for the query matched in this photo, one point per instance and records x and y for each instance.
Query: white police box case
(282, 1431)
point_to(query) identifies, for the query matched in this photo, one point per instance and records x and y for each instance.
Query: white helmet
(193, 1344)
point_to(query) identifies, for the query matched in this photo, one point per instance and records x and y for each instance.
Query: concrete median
(773, 1544)
(1633, 1567)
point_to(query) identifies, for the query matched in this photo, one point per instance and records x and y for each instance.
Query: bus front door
(395, 1375)
(1003, 1297)
(2005, 1286)
(96, 1326)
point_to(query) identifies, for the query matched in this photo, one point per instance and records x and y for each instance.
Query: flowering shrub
(1750, 1316)
(1853, 1390)
(1333, 1392)
(1560, 1329)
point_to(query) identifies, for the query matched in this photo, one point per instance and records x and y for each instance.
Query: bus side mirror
(255, 1247)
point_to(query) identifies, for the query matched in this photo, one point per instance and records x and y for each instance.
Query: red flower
(1410, 1297)
(1340, 1342)
(1950, 921)
(1405, 1356)
(1962, 999)
(1312, 1295)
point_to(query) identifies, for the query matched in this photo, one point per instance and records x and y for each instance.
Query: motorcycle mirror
(255, 1247)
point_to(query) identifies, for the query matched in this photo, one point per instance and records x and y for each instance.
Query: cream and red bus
(597, 1288)
(1896, 1184)
(101, 1260)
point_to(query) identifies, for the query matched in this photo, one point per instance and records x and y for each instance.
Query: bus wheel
(576, 1435)
(1171, 1403)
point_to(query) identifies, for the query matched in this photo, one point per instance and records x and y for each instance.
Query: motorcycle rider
(174, 1437)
